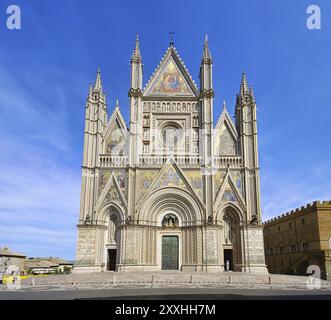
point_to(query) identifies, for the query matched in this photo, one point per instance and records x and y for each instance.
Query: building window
(279, 229)
(281, 250)
(293, 248)
(303, 221)
(271, 250)
(290, 225)
(171, 136)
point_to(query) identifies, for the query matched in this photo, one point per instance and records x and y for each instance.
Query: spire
(251, 92)
(90, 92)
(98, 82)
(206, 52)
(117, 104)
(136, 57)
(244, 84)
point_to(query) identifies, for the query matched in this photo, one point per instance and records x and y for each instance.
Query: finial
(224, 105)
(98, 82)
(117, 104)
(172, 34)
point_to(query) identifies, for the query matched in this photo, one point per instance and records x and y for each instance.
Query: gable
(225, 136)
(171, 176)
(112, 192)
(170, 82)
(227, 143)
(171, 78)
(121, 178)
(229, 194)
(228, 191)
(115, 138)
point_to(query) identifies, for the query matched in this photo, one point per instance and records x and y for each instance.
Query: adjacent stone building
(299, 239)
(174, 190)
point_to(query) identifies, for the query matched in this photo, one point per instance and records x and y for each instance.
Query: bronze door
(170, 256)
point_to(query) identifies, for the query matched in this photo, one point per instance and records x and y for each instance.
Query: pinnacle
(206, 58)
(136, 53)
(244, 84)
(98, 82)
(251, 92)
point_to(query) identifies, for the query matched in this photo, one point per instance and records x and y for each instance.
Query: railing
(108, 161)
(221, 162)
(161, 160)
(113, 161)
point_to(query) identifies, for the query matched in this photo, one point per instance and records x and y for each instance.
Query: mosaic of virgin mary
(171, 82)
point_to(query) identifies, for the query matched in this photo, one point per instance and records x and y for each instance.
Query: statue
(170, 220)
(254, 220)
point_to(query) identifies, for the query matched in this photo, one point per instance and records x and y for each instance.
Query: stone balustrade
(108, 161)
(112, 161)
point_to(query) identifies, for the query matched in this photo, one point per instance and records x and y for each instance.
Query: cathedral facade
(173, 190)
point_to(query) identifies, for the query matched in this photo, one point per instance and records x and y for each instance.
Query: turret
(95, 124)
(246, 123)
(136, 111)
(207, 100)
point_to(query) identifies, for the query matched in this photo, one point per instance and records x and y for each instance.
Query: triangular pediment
(229, 192)
(171, 176)
(111, 193)
(225, 136)
(171, 78)
(116, 134)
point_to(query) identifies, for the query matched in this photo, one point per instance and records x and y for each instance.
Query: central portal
(170, 256)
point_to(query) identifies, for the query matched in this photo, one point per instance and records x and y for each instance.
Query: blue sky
(46, 67)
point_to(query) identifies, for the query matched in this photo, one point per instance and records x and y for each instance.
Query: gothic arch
(231, 209)
(112, 208)
(171, 200)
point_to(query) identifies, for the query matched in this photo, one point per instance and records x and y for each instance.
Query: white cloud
(39, 189)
